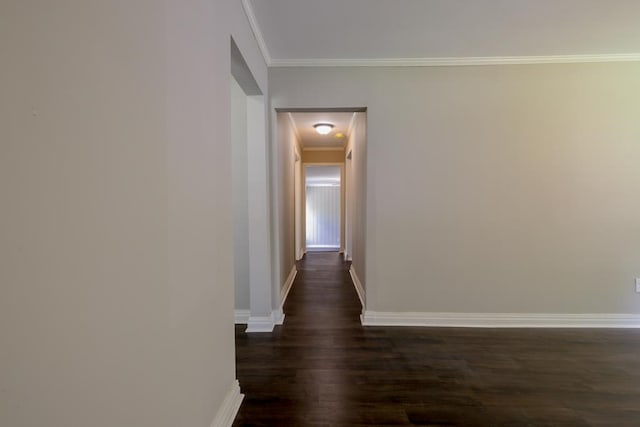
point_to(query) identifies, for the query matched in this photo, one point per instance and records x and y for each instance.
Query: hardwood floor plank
(322, 368)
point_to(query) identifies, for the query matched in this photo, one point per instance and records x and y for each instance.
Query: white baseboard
(278, 316)
(286, 287)
(229, 408)
(262, 323)
(358, 285)
(267, 323)
(241, 316)
(501, 320)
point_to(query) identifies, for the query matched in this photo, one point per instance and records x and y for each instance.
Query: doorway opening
(319, 157)
(249, 181)
(323, 207)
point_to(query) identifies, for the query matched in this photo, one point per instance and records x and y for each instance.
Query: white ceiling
(309, 138)
(335, 32)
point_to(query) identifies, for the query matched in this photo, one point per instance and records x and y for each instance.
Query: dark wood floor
(322, 368)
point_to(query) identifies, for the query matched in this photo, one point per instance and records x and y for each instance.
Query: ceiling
(424, 32)
(310, 139)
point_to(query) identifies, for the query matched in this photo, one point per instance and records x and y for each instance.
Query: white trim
(322, 148)
(260, 324)
(267, 323)
(502, 320)
(263, 323)
(229, 408)
(278, 316)
(352, 123)
(455, 61)
(358, 285)
(257, 33)
(295, 128)
(287, 285)
(424, 62)
(241, 317)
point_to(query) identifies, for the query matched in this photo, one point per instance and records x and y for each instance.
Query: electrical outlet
(638, 285)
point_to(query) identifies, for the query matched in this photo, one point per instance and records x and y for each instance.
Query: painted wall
(355, 183)
(284, 150)
(323, 156)
(299, 208)
(240, 195)
(494, 188)
(116, 278)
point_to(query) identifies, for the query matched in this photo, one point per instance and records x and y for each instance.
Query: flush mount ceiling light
(323, 128)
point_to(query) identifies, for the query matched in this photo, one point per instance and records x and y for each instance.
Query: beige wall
(355, 171)
(286, 145)
(323, 156)
(494, 188)
(299, 209)
(116, 278)
(240, 195)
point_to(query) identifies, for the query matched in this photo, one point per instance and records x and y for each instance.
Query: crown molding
(455, 61)
(322, 110)
(425, 62)
(257, 33)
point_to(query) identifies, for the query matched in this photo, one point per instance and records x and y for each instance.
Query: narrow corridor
(306, 372)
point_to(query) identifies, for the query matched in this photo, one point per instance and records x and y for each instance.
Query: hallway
(310, 370)
(322, 368)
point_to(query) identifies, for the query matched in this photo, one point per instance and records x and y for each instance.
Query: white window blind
(323, 217)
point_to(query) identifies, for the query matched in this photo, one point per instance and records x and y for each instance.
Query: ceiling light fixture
(323, 128)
